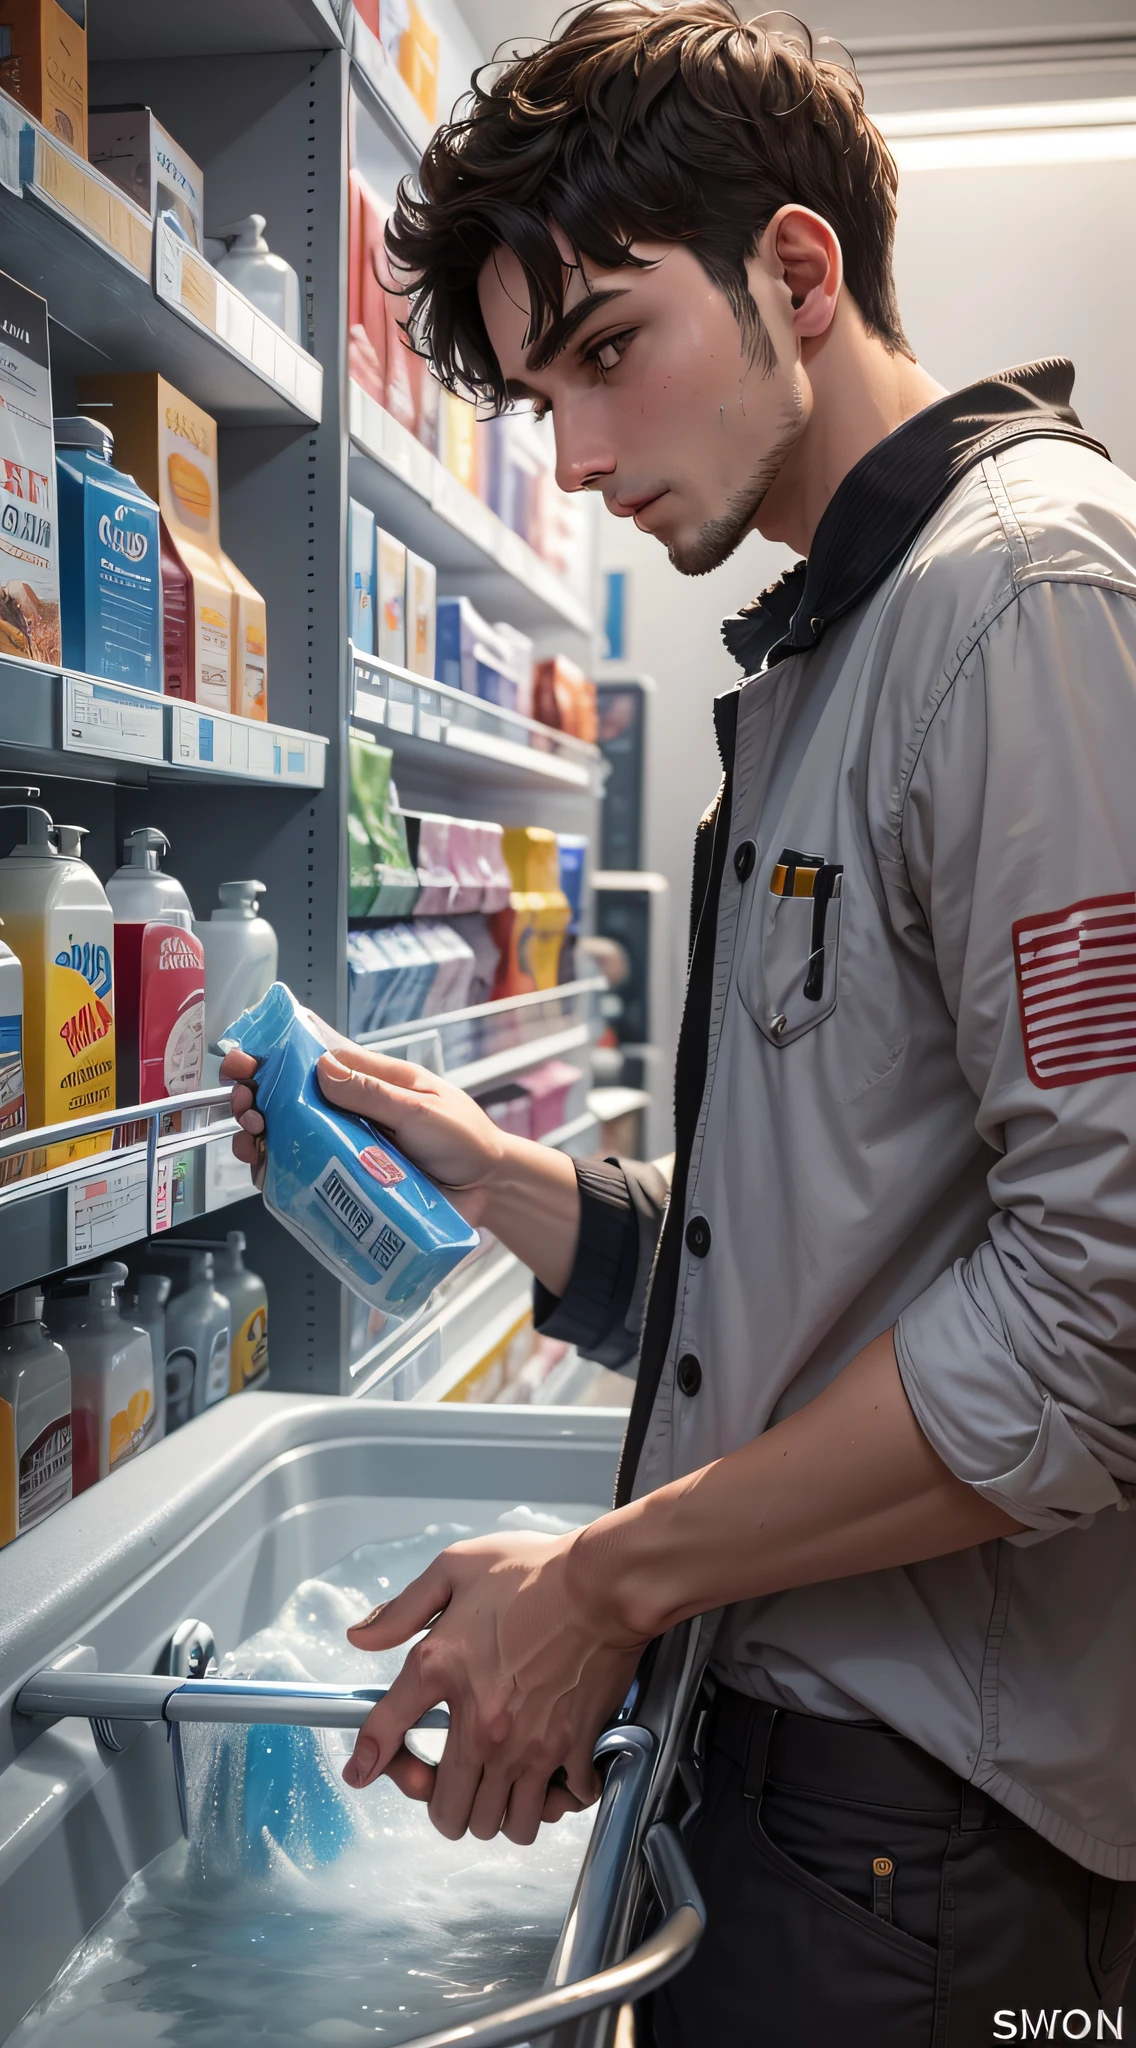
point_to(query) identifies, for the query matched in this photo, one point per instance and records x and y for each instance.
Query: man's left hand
(520, 1647)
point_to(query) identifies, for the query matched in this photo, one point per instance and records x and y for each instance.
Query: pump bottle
(58, 922)
(197, 1325)
(240, 962)
(247, 1297)
(112, 1372)
(35, 1416)
(159, 972)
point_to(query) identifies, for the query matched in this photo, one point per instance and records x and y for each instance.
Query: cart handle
(661, 1955)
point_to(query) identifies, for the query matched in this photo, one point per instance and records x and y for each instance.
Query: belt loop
(762, 1723)
(973, 1811)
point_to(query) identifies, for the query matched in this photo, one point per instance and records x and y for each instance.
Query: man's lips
(633, 508)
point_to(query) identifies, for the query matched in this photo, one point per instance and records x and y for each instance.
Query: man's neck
(860, 394)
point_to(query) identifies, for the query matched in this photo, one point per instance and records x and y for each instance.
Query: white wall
(993, 268)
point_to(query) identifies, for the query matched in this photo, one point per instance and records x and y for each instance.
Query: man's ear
(801, 251)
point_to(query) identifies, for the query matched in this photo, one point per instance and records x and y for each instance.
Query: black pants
(861, 1896)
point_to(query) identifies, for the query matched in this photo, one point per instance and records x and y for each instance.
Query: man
(884, 1428)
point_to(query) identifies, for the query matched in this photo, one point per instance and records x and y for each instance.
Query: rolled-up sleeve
(1019, 836)
(622, 1203)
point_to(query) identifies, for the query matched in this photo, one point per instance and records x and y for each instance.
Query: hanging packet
(361, 1208)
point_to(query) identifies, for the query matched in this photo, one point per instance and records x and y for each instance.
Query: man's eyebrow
(555, 339)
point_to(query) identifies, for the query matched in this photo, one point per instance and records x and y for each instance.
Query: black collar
(882, 503)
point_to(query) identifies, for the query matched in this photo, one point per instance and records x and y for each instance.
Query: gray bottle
(247, 1297)
(152, 1292)
(35, 1427)
(197, 1329)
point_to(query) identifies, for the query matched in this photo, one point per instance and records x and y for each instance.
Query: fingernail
(369, 1618)
(361, 1763)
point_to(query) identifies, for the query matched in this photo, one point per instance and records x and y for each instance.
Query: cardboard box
(129, 145)
(44, 64)
(29, 527)
(421, 614)
(390, 598)
(169, 445)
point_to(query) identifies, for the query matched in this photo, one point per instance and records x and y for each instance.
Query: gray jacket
(916, 971)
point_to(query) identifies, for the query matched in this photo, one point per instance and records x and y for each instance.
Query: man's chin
(698, 553)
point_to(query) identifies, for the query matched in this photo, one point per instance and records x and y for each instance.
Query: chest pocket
(788, 972)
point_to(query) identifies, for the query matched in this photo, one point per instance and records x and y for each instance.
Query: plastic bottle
(197, 1324)
(358, 1205)
(35, 1416)
(240, 962)
(139, 892)
(160, 975)
(247, 1297)
(267, 280)
(112, 1372)
(110, 573)
(152, 1292)
(59, 924)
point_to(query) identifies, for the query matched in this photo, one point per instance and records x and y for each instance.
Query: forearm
(849, 1484)
(532, 1204)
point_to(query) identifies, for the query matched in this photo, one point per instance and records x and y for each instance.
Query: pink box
(548, 1087)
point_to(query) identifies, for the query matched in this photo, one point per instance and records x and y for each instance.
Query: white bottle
(267, 280)
(148, 1308)
(138, 891)
(240, 963)
(112, 1373)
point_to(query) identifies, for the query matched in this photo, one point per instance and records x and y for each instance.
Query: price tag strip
(109, 718)
(243, 746)
(106, 1209)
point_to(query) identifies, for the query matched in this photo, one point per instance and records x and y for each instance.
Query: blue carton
(361, 1208)
(109, 568)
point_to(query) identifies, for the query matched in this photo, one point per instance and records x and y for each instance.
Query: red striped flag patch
(1076, 971)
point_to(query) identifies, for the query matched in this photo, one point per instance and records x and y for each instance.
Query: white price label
(106, 1210)
(107, 718)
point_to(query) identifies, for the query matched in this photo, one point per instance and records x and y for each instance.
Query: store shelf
(606, 1104)
(93, 1207)
(490, 1040)
(107, 313)
(210, 28)
(396, 104)
(514, 1059)
(427, 723)
(477, 1307)
(54, 721)
(421, 502)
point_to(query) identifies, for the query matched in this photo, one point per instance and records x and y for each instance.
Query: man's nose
(583, 459)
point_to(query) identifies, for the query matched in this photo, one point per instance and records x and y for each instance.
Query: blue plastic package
(334, 1181)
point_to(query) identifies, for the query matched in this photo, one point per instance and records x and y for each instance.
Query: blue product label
(12, 1115)
(364, 1210)
(122, 584)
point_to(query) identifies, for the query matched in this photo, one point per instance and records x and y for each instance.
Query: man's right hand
(524, 1193)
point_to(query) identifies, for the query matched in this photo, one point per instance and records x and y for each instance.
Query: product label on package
(29, 573)
(171, 1034)
(359, 1217)
(79, 1068)
(45, 1473)
(130, 1427)
(249, 1357)
(13, 1115)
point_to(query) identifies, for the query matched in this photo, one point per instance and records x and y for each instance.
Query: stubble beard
(716, 541)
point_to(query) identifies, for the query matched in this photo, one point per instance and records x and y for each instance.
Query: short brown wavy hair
(642, 121)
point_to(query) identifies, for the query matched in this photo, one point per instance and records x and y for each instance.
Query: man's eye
(608, 353)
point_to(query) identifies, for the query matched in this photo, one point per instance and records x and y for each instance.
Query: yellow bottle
(60, 926)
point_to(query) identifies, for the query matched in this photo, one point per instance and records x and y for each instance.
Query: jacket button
(744, 860)
(698, 1236)
(689, 1374)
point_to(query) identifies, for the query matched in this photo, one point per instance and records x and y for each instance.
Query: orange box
(46, 66)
